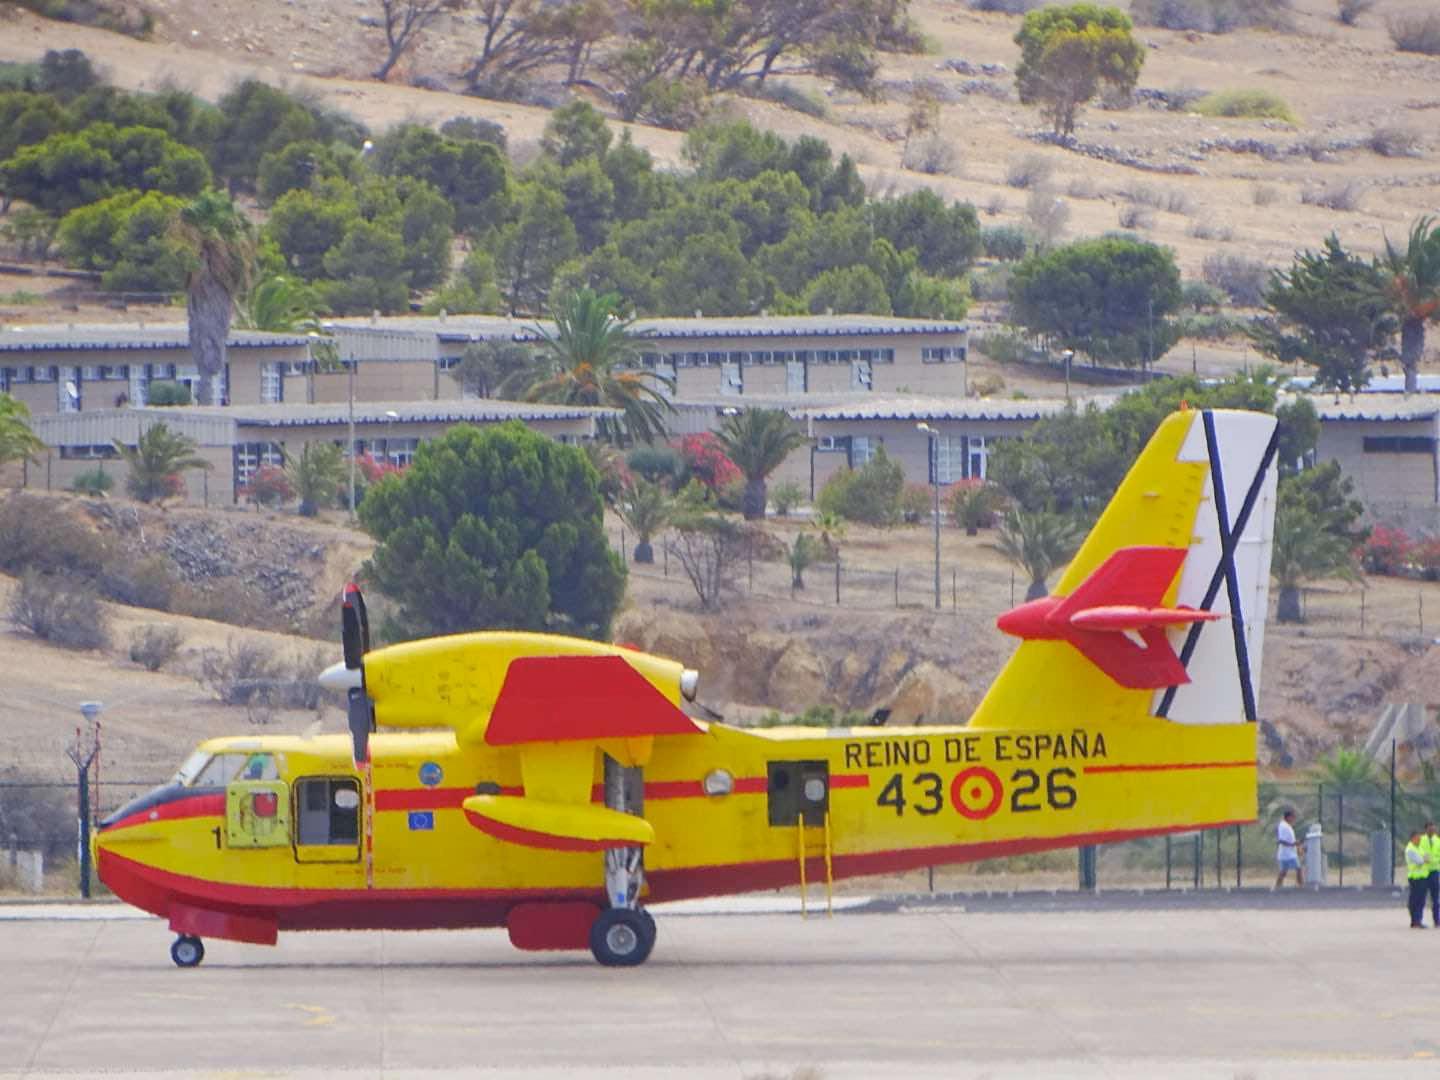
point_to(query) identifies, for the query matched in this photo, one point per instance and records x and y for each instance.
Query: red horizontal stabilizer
(573, 698)
(1132, 577)
(1128, 617)
(1152, 666)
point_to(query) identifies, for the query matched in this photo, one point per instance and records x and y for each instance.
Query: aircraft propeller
(355, 640)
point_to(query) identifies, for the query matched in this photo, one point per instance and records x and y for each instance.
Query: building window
(250, 457)
(934, 355)
(1398, 444)
(860, 376)
(732, 379)
(716, 358)
(45, 374)
(978, 455)
(18, 375)
(88, 453)
(272, 384)
(887, 356)
(397, 452)
(447, 363)
(862, 449)
(950, 458)
(796, 381)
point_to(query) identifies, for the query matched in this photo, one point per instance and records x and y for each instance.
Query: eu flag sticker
(422, 819)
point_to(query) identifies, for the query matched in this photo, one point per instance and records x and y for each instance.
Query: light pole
(1068, 354)
(83, 755)
(353, 362)
(935, 487)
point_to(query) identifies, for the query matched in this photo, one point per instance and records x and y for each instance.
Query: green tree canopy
(68, 170)
(1329, 310)
(1111, 298)
(1067, 53)
(1316, 534)
(1413, 288)
(131, 237)
(494, 528)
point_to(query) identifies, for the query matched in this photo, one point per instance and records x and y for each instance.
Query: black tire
(622, 937)
(187, 951)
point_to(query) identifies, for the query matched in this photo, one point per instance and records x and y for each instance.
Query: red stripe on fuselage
(1175, 766)
(188, 806)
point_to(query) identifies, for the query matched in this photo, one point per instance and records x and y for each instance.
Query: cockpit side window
(224, 768)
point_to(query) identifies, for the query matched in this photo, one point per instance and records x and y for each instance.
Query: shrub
(1349, 11)
(1028, 171)
(916, 503)
(167, 393)
(461, 128)
(153, 646)
(705, 460)
(1213, 16)
(43, 534)
(270, 487)
(658, 464)
(1134, 216)
(1246, 104)
(1416, 31)
(1395, 142)
(1426, 556)
(1082, 187)
(1341, 195)
(1243, 280)
(1007, 242)
(96, 482)
(1004, 346)
(992, 284)
(148, 582)
(789, 96)
(995, 205)
(869, 494)
(1047, 215)
(932, 154)
(975, 505)
(1210, 230)
(1387, 550)
(1201, 296)
(1264, 195)
(61, 610)
(785, 496)
(1007, 7)
(254, 674)
(1209, 327)
(1171, 200)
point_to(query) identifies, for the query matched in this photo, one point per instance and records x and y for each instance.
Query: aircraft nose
(339, 677)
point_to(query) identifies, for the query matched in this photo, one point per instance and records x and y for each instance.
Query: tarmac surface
(1262, 986)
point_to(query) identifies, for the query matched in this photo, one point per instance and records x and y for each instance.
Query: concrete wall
(406, 380)
(1384, 479)
(212, 487)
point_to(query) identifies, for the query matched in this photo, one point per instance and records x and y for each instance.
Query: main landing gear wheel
(622, 937)
(187, 951)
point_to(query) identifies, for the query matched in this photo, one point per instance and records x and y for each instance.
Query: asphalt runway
(1266, 990)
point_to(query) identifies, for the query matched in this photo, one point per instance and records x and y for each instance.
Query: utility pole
(353, 362)
(83, 753)
(935, 486)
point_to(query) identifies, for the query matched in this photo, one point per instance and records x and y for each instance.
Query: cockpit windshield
(203, 769)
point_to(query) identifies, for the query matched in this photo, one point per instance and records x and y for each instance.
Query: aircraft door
(257, 814)
(327, 819)
(799, 789)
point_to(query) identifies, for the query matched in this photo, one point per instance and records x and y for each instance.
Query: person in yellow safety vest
(1417, 866)
(1431, 843)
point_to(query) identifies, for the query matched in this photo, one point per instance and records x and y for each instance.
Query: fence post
(1167, 860)
(897, 586)
(624, 561)
(1340, 833)
(1218, 870)
(1239, 851)
(837, 581)
(1012, 588)
(1199, 844)
(954, 590)
(665, 546)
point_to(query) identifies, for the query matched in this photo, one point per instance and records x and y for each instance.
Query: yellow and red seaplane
(556, 786)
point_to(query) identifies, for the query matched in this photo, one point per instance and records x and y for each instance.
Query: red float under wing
(1152, 666)
(574, 698)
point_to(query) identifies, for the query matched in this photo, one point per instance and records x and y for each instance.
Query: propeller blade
(354, 628)
(361, 719)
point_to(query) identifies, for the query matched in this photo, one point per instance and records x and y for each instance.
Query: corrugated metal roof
(947, 409)
(478, 327)
(1377, 407)
(405, 412)
(54, 338)
(100, 427)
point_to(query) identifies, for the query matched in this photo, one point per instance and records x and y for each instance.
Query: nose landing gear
(622, 937)
(187, 951)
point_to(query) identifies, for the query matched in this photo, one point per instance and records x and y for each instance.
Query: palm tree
(801, 555)
(1304, 550)
(223, 249)
(758, 441)
(1038, 543)
(17, 441)
(316, 475)
(1348, 772)
(279, 303)
(156, 461)
(645, 507)
(1413, 290)
(590, 349)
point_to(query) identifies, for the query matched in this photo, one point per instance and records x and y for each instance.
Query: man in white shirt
(1287, 852)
